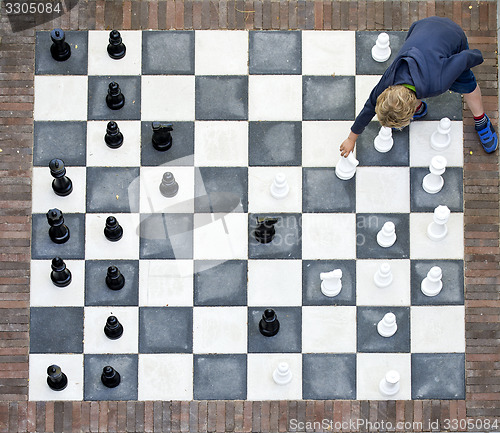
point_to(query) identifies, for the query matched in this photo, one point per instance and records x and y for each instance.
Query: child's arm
(348, 145)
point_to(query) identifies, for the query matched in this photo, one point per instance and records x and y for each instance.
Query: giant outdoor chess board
(244, 106)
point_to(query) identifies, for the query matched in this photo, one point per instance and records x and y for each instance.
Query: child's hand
(347, 147)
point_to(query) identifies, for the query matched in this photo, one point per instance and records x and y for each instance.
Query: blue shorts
(466, 82)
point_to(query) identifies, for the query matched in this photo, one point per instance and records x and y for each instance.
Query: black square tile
(365, 65)
(328, 376)
(165, 330)
(275, 143)
(448, 104)
(222, 97)
(168, 53)
(56, 330)
(220, 377)
(278, 52)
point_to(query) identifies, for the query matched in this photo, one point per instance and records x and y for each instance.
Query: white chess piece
(282, 374)
(387, 235)
(440, 139)
(387, 327)
(331, 283)
(389, 385)
(437, 229)
(383, 141)
(346, 167)
(433, 182)
(383, 276)
(381, 51)
(432, 284)
(279, 188)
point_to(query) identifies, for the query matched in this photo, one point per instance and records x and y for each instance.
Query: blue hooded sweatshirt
(434, 55)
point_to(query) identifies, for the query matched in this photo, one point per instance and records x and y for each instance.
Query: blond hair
(396, 106)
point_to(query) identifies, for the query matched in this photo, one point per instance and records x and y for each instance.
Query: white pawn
(279, 188)
(381, 51)
(383, 141)
(331, 283)
(383, 276)
(346, 167)
(433, 182)
(432, 284)
(389, 385)
(440, 139)
(387, 327)
(437, 229)
(387, 235)
(282, 374)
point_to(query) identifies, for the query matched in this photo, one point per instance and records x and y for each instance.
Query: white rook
(389, 385)
(346, 167)
(381, 51)
(433, 182)
(331, 283)
(387, 235)
(432, 283)
(387, 327)
(282, 374)
(437, 229)
(440, 139)
(279, 188)
(383, 141)
(383, 276)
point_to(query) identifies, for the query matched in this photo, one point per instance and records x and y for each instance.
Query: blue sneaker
(422, 114)
(488, 137)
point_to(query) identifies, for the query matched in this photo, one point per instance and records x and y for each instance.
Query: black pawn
(59, 49)
(60, 275)
(61, 184)
(265, 231)
(56, 379)
(269, 324)
(58, 232)
(114, 278)
(168, 185)
(162, 139)
(113, 328)
(110, 377)
(115, 98)
(116, 48)
(113, 231)
(113, 137)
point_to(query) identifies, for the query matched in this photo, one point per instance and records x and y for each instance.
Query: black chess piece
(58, 232)
(114, 278)
(265, 230)
(115, 98)
(61, 184)
(56, 379)
(59, 49)
(110, 377)
(162, 139)
(113, 328)
(113, 231)
(60, 275)
(269, 324)
(113, 137)
(116, 48)
(168, 185)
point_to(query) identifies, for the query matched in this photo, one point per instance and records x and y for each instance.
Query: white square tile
(166, 376)
(221, 52)
(220, 329)
(383, 189)
(437, 329)
(364, 86)
(261, 386)
(169, 98)
(328, 236)
(328, 53)
(60, 97)
(101, 64)
(321, 142)
(260, 180)
(275, 97)
(274, 282)
(329, 329)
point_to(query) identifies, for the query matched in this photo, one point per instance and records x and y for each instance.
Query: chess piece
(60, 275)
(431, 285)
(265, 230)
(387, 235)
(440, 139)
(113, 328)
(116, 48)
(56, 379)
(346, 167)
(437, 229)
(279, 188)
(61, 184)
(110, 377)
(383, 141)
(58, 231)
(433, 182)
(383, 276)
(387, 327)
(269, 324)
(389, 385)
(282, 375)
(113, 231)
(331, 283)
(60, 49)
(168, 186)
(115, 99)
(113, 137)
(114, 278)
(162, 139)
(381, 51)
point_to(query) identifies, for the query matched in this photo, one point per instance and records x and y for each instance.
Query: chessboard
(244, 107)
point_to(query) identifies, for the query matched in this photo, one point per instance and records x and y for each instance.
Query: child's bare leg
(475, 101)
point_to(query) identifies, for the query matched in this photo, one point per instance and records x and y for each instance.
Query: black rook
(56, 379)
